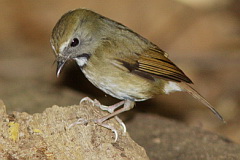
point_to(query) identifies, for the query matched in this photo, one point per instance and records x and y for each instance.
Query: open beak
(60, 63)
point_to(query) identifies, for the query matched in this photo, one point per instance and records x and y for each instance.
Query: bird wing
(154, 63)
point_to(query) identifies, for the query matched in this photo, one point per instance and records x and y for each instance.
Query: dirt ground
(203, 39)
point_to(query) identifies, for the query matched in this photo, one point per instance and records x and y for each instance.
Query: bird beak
(60, 63)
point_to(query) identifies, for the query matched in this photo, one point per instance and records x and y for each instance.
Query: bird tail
(199, 97)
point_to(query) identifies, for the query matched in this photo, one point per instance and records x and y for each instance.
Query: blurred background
(201, 36)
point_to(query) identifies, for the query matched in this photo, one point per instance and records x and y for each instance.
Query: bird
(118, 61)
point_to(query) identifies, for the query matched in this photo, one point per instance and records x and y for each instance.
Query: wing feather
(159, 65)
(155, 63)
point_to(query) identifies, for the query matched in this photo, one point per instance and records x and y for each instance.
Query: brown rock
(47, 136)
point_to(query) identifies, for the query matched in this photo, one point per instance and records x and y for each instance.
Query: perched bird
(118, 61)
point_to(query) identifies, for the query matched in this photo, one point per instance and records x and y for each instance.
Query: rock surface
(47, 136)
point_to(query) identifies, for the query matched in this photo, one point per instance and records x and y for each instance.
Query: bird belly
(123, 85)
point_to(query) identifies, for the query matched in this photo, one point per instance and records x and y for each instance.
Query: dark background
(201, 37)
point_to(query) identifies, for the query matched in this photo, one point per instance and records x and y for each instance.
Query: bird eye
(74, 42)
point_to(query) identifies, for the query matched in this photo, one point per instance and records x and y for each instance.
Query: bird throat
(82, 59)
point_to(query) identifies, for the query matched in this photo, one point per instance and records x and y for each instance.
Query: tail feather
(199, 97)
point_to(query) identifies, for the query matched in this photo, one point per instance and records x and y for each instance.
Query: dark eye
(74, 42)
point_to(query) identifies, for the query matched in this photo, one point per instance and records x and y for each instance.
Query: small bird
(118, 61)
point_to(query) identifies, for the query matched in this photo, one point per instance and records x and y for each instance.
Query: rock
(47, 136)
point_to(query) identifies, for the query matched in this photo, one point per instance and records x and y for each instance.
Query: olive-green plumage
(116, 59)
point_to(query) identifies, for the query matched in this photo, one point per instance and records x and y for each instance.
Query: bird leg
(127, 106)
(111, 109)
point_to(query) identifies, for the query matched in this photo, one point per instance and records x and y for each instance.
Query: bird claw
(79, 121)
(108, 127)
(121, 123)
(87, 99)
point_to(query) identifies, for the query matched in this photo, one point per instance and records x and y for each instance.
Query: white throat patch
(171, 87)
(81, 61)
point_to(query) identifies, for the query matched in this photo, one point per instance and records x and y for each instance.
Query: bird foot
(100, 121)
(96, 121)
(111, 109)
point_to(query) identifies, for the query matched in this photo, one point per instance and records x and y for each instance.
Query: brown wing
(154, 63)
